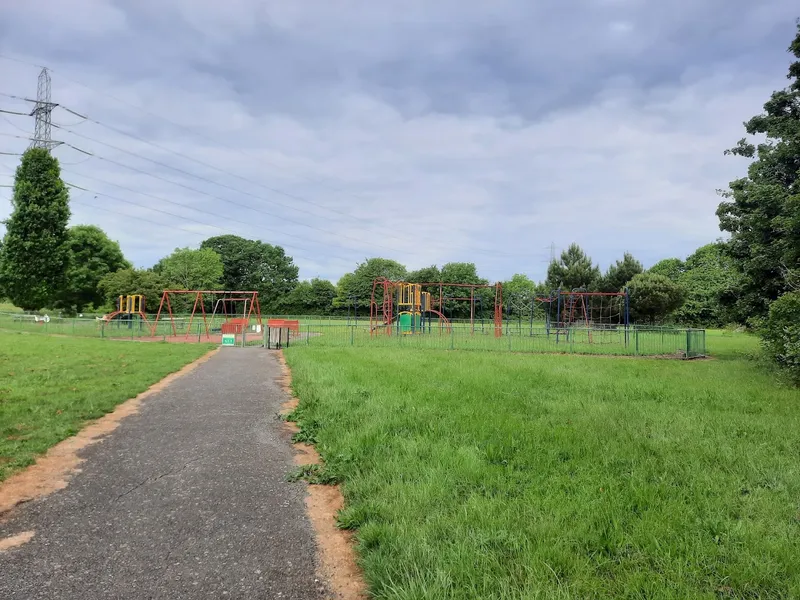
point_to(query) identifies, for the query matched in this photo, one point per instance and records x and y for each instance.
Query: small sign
(229, 339)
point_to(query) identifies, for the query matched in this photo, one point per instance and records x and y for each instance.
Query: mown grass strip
(50, 386)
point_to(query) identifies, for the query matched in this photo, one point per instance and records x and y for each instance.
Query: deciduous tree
(313, 297)
(653, 297)
(671, 268)
(430, 274)
(708, 276)
(762, 210)
(133, 281)
(189, 269)
(254, 265)
(359, 283)
(92, 256)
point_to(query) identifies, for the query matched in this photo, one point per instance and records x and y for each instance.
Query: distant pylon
(43, 114)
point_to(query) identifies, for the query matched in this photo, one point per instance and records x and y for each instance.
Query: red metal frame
(199, 298)
(383, 315)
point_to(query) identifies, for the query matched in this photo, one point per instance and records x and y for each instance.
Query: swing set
(226, 305)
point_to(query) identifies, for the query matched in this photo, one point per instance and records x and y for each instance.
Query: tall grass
(472, 475)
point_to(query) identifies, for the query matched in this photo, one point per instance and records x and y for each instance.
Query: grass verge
(50, 387)
(474, 475)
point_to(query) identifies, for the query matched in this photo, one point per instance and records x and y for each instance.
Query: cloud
(424, 132)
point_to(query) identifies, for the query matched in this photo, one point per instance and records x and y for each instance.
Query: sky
(425, 132)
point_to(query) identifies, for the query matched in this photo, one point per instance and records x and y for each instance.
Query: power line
(200, 210)
(210, 166)
(162, 199)
(181, 171)
(217, 197)
(15, 126)
(185, 218)
(216, 168)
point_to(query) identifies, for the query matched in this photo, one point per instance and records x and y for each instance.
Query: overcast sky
(424, 131)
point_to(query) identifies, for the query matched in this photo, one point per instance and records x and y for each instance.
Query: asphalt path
(186, 499)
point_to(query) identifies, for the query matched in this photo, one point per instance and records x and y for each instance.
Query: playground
(436, 315)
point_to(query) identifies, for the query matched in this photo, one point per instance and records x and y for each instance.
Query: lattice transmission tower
(42, 112)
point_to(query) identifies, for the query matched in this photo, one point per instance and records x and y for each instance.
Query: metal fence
(623, 341)
(516, 336)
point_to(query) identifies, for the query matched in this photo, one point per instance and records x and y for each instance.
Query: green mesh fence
(631, 341)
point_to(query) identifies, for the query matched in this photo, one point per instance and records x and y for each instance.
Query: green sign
(228, 339)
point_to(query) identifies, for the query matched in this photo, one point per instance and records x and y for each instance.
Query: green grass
(50, 386)
(485, 475)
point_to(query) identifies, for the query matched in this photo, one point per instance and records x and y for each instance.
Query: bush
(781, 334)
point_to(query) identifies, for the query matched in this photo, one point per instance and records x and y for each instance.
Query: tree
(425, 275)
(254, 265)
(519, 293)
(653, 297)
(92, 256)
(187, 269)
(762, 210)
(708, 276)
(781, 334)
(133, 281)
(573, 270)
(519, 285)
(313, 297)
(671, 268)
(464, 273)
(35, 258)
(620, 273)
(358, 284)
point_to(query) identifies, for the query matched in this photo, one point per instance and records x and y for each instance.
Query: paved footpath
(187, 499)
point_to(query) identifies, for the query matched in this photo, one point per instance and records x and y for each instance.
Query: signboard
(228, 339)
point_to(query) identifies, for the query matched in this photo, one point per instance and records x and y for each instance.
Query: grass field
(50, 386)
(484, 475)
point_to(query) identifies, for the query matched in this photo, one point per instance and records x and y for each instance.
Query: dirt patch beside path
(323, 503)
(16, 540)
(52, 471)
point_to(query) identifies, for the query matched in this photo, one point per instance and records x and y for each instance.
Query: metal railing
(622, 341)
(314, 331)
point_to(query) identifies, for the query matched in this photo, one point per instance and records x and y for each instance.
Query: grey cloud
(430, 131)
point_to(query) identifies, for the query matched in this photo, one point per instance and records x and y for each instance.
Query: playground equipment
(234, 323)
(129, 309)
(408, 308)
(593, 311)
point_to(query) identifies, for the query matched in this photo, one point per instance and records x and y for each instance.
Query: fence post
(269, 336)
(308, 334)
(636, 340)
(452, 340)
(688, 343)
(103, 329)
(352, 336)
(288, 335)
